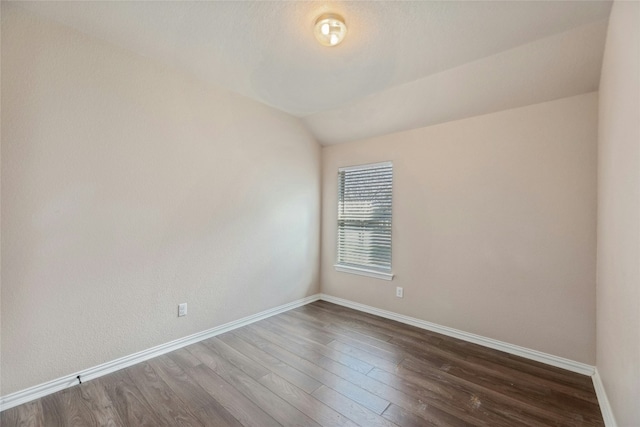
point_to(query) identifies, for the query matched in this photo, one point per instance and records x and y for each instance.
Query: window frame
(364, 270)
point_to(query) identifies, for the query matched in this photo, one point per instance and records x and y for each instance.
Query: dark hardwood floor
(324, 365)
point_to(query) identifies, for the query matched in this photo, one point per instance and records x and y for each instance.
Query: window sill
(363, 272)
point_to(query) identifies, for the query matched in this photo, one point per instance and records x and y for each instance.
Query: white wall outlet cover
(399, 292)
(182, 309)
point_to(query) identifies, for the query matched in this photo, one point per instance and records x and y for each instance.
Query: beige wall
(128, 188)
(618, 289)
(494, 225)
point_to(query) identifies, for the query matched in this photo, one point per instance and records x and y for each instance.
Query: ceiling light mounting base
(330, 29)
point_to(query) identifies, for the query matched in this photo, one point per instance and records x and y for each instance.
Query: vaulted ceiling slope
(402, 65)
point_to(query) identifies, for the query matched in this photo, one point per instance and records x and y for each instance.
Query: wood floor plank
(400, 331)
(361, 351)
(411, 406)
(29, 414)
(574, 384)
(77, 411)
(304, 402)
(413, 334)
(299, 358)
(355, 323)
(53, 412)
(242, 362)
(471, 402)
(324, 365)
(377, 350)
(533, 393)
(483, 356)
(208, 410)
(575, 381)
(275, 406)
(318, 336)
(368, 323)
(329, 323)
(356, 319)
(244, 410)
(128, 401)
(184, 358)
(388, 393)
(583, 380)
(365, 356)
(161, 397)
(317, 348)
(430, 353)
(373, 345)
(429, 417)
(275, 365)
(100, 404)
(357, 413)
(432, 401)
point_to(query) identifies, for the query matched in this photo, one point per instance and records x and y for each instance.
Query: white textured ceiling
(402, 65)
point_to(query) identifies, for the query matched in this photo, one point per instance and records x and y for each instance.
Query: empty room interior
(320, 213)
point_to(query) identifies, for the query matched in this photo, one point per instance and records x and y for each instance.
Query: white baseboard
(38, 391)
(603, 400)
(538, 356)
(35, 392)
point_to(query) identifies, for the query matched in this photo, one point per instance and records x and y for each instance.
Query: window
(364, 220)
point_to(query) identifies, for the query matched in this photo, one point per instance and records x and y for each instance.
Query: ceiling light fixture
(330, 29)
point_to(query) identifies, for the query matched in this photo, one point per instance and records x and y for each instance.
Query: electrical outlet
(182, 309)
(399, 292)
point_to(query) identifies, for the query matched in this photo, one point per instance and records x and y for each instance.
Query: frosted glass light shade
(330, 29)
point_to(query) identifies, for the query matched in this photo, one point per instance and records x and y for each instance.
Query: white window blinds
(364, 216)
